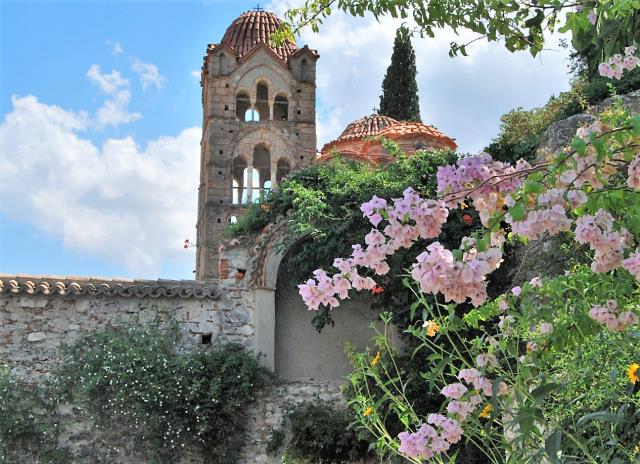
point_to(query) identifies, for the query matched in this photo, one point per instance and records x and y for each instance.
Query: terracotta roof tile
(402, 129)
(252, 28)
(366, 127)
(99, 286)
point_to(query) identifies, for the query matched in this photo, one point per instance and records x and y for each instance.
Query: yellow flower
(486, 411)
(368, 411)
(632, 372)
(375, 360)
(432, 327)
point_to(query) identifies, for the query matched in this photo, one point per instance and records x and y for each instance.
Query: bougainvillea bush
(505, 389)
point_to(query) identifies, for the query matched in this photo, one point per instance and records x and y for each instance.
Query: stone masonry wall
(39, 314)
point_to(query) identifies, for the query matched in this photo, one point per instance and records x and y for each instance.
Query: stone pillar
(270, 111)
(250, 183)
(274, 174)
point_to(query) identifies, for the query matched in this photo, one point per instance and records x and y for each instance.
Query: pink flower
(503, 305)
(469, 375)
(516, 290)
(454, 391)
(486, 359)
(536, 282)
(592, 17)
(632, 264)
(546, 328)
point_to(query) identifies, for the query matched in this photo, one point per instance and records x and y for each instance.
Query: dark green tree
(399, 99)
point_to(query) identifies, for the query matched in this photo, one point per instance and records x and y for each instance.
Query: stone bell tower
(258, 124)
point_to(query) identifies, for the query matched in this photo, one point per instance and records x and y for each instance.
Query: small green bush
(28, 430)
(322, 434)
(135, 380)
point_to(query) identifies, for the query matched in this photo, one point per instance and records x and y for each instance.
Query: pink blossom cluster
(632, 264)
(584, 172)
(432, 438)
(551, 220)
(598, 231)
(585, 132)
(633, 180)
(480, 383)
(618, 63)
(441, 432)
(409, 218)
(437, 271)
(606, 314)
(485, 180)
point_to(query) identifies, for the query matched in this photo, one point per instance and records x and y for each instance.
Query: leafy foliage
(28, 429)
(135, 378)
(321, 433)
(519, 25)
(321, 205)
(399, 99)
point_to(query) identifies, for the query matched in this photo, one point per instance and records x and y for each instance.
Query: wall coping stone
(26, 284)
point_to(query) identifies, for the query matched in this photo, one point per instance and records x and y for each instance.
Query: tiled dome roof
(252, 28)
(366, 127)
(403, 129)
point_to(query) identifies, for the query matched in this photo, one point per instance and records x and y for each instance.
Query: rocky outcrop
(560, 133)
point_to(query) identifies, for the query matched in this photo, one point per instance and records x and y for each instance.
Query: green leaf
(517, 212)
(635, 124)
(532, 187)
(601, 416)
(552, 446)
(543, 390)
(579, 145)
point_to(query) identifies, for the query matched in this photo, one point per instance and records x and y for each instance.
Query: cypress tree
(399, 99)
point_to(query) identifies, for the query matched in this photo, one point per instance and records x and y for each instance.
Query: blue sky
(101, 115)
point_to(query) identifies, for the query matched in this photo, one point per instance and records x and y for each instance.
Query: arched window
(283, 169)
(262, 101)
(233, 219)
(251, 115)
(255, 182)
(281, 108)
(266, 187)
(262, 163)
(238, 185)
(243, 103)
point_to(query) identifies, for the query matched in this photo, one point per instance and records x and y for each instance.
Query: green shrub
(135, 380)
(322, 434)
(28, 430)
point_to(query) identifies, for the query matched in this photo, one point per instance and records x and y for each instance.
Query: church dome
(252, 28)
(366, 127)
(417, 130)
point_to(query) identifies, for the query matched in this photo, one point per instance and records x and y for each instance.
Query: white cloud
(113, 111)
(196, 74)
(462, 96)
(125, 203)
(148, 73)
(116, 48)
(109, 83)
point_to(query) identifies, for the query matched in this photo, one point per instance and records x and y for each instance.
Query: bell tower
(258, 124)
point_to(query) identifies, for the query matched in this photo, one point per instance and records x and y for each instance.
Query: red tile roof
(252, 28)
(404, 129)
(366, 127)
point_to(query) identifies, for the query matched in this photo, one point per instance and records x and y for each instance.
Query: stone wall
(39, 314)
